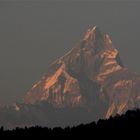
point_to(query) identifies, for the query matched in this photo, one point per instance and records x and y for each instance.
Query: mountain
(86, 84)
(91, 75)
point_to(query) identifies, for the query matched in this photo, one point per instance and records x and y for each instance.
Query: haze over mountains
(86, 84)
(28, 30)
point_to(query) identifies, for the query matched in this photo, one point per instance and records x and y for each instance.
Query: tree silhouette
(123, 125)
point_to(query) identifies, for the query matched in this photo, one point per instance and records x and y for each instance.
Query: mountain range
(88, 83)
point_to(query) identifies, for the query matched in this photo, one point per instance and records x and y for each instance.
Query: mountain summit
(92, 76)
(86, 84)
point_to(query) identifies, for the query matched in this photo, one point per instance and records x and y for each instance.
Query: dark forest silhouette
(126, 124)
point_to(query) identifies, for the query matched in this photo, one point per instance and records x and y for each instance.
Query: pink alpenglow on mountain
(91, 75)
(86, 84)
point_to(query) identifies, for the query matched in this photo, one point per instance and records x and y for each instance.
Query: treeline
(126, 124)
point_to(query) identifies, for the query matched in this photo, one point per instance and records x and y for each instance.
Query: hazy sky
(33, 34)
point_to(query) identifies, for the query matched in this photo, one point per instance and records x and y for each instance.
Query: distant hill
(124, 125)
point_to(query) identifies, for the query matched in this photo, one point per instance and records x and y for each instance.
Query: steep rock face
(92, 76)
